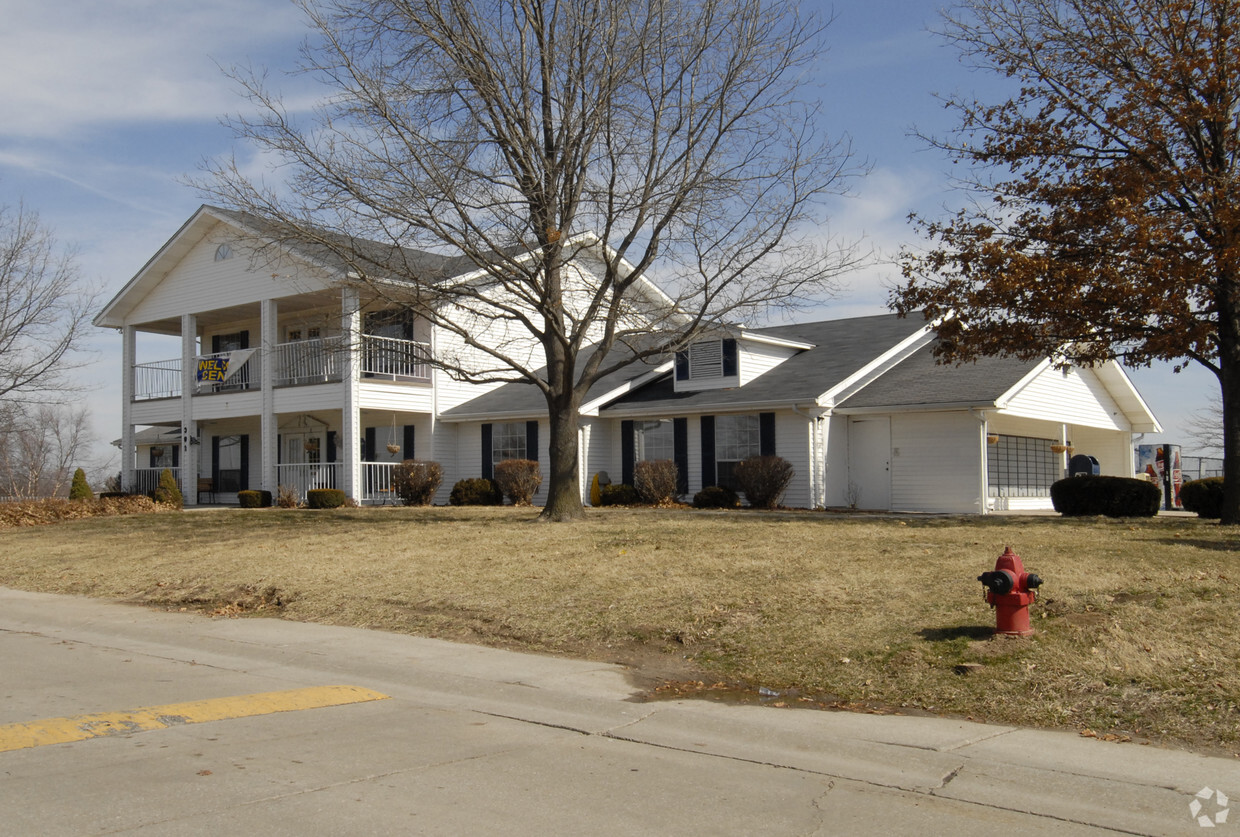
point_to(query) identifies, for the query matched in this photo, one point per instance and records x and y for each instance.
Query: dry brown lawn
(1136, 626)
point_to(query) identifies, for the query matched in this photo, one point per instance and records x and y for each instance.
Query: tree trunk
(564, 486)
(1229, 380)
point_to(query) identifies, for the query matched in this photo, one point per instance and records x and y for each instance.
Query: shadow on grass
(958, 632)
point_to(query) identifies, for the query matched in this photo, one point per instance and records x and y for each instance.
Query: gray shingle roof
(920, 382)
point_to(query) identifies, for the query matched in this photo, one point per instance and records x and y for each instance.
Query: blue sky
(109, 105)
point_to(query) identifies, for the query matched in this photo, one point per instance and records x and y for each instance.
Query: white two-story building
(292, 377)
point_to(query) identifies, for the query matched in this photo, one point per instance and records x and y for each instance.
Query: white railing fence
(377, 483)
(397, 359)
(146, 480)
(304, 477)
(314, 361)
(158, 379)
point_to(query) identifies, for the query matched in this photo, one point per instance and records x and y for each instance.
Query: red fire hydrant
(1010, 590)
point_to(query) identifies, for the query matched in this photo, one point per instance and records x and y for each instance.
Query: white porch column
(189, 428)
(350, 425)
(128, 451)
(269, 339)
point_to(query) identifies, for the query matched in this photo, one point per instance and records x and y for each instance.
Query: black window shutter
(408, 442)
(488, 467)
(682, 365)
(628, 451)
(729, 358)
(531, 440)
(331, 445)
(154, 460)
(215, 462)
(708, 451)
(279, 449)
(245, 462)
(215, 344)
(680, 453)
(766, 434)
(176, 455)
(370, 445)
(245, 339)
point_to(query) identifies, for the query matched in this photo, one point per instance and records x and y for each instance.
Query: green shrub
(1205, 497)
(655, 481)
(716, 497)
(764, 479)
(325, 498)
(518, 479)
(80, 490)
(1110, 496)
(415, 482)
(168, 493)
(251, 499)
(479, 491)
(621, 494)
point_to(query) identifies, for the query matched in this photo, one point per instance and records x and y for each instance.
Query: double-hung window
(508, 441)
(654, 440)
(736, 438)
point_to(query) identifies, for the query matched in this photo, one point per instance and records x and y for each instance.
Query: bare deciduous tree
(1109, 224)
(509, 131)
(43, 308)
(40, 446)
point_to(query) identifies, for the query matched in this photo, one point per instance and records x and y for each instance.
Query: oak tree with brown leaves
(1108, 219)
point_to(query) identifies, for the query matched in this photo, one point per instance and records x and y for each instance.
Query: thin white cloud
(76, 64)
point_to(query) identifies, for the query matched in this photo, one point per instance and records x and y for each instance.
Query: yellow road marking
(82, 727)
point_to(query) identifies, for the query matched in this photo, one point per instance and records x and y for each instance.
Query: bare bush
(415, 481)
(763, 479)
(656, 481)
(519, 479)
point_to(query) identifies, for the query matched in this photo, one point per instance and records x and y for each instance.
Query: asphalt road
(242, 729)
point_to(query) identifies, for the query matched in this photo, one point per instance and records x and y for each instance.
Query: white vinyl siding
(936, 462)
(1077, 397)
(755, 359)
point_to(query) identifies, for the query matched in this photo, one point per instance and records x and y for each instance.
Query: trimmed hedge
(251, 499)
(621, 494)
(478, 491)
(1204, 496)
(1109, 496)
(324, 498)
(716, 497)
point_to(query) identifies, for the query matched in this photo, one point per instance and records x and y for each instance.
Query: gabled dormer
(731, 360)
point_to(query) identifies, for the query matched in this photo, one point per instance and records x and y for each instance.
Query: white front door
(869, 463)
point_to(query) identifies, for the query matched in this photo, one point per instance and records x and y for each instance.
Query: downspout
(817, 496)
(983, 488)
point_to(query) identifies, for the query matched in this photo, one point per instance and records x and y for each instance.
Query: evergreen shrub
(325, 498)
(80, 489)
(1204, 496)
(619, 494)
(1109, 496)
(251, 499)
(478, 491)
(716, 497)
(168, 493)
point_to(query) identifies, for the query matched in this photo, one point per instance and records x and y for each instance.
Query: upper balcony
(298, 363)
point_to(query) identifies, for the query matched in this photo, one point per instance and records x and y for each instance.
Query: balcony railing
(301, 362)
(395, 360)
(159, 379)
(315, 361)
(377, 483)
(303, 477)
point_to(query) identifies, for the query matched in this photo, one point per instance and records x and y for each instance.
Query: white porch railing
(314, 361)
(377, 483)
(386, 357)
(304, 477)
(158, 379)
(146, 480)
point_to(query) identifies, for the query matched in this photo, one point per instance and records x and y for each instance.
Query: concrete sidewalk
(481, 740)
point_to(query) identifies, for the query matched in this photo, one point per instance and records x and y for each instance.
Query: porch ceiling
(213, 319)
